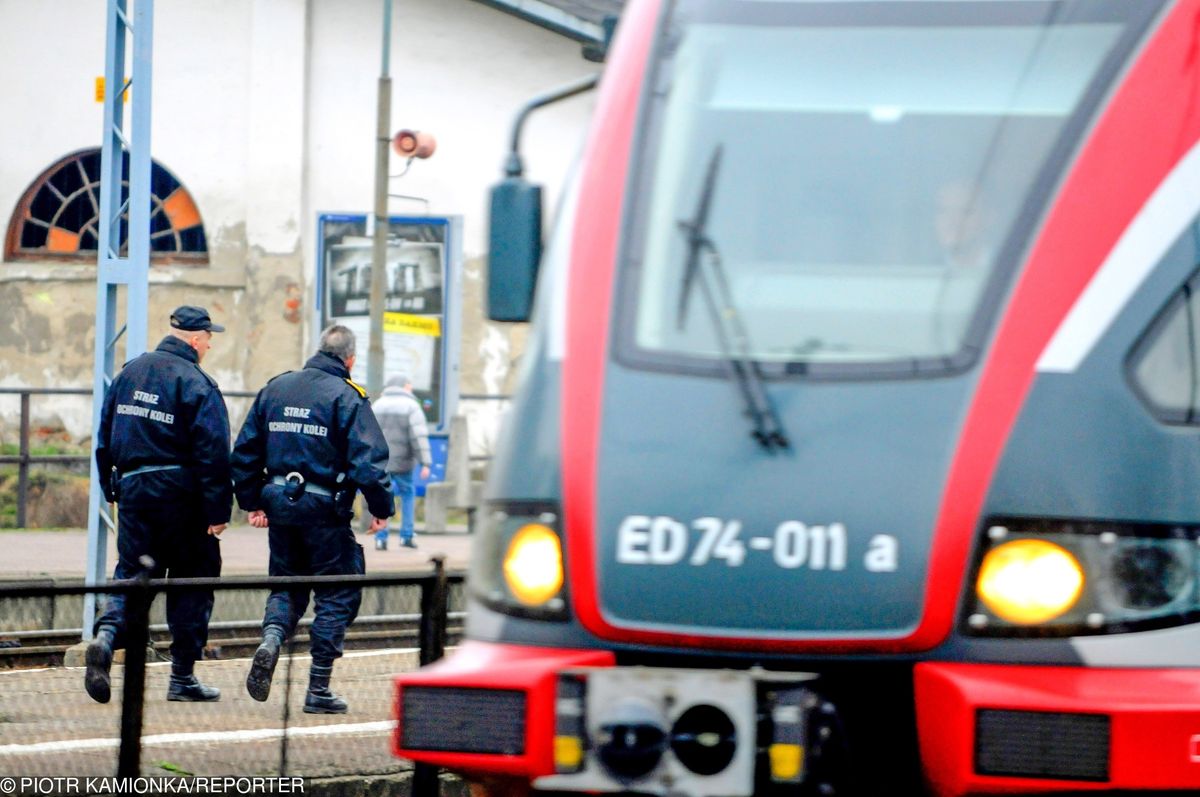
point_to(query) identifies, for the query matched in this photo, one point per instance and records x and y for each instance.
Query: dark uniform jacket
(163, 410)
(317, 423)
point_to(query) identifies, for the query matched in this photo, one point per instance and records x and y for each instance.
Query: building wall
(266, 111)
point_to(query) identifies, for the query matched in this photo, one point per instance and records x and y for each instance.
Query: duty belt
(296, 478)
(150, 469)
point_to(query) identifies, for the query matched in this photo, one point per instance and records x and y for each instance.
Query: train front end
(856, 450)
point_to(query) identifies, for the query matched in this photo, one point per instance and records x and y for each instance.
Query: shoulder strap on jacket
(362, 392)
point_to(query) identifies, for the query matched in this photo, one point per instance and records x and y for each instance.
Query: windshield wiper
(768, 430)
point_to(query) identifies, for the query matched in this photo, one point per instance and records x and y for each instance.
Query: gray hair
(399, 380)
(338, 341)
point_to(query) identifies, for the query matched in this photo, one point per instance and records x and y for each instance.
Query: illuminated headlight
(533, 569)
(1061, 578)
(517, 565)
(1029, 581)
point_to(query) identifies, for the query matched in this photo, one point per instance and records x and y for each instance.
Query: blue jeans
(404, 489)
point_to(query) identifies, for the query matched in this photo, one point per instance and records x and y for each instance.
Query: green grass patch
(45, 450)
(56, 498)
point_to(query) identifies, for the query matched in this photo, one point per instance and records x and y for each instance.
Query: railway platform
(49, 727)
(63, 554)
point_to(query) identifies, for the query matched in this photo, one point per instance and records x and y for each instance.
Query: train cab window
(844, 197)
(1165, 365)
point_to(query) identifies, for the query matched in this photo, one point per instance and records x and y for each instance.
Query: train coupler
(694, 732)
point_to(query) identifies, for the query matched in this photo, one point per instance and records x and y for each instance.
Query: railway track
(226, 640)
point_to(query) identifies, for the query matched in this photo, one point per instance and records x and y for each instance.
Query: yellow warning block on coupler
(787, 761)
(568, 752)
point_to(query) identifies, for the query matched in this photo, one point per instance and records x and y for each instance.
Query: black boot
(98, 658)
(258, 681)
(319, 699)
(185, 688)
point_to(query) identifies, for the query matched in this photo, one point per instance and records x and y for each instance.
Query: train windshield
(845, 185)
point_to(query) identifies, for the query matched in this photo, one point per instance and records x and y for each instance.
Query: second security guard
(308, 445)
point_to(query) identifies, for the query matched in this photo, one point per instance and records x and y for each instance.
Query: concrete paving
(63, 554)
(50, 727)
(49, 556)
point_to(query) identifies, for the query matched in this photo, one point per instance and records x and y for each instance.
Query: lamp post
(409, 144)
(379, 251)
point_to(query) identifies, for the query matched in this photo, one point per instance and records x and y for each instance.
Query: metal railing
(23, 459)
(140, 592)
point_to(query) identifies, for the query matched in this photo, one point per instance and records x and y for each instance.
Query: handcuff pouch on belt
(293, 486)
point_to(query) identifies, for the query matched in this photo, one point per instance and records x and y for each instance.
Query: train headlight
(1029, 581)
(1147, 575)
(517, 563)
(1065, 578)
(533, 567)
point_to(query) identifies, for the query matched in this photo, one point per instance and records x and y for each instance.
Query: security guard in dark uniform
(163, 453)
(309, 444)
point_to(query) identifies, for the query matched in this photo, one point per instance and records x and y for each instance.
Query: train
(857, 443)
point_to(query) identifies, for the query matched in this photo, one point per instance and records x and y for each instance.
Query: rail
(23, 459)
(226, 639)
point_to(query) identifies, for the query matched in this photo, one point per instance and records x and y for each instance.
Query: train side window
(1166, 363)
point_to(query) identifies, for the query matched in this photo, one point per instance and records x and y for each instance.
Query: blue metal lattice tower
(124, 257)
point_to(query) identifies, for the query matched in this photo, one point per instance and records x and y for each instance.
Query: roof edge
(550, 17)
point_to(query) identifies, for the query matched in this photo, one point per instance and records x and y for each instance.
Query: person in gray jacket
(403, 422)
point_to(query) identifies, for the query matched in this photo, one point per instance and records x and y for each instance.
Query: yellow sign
(100, 90)
(408, 324)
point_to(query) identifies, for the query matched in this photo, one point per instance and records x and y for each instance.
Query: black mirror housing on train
(515, 248)
(597, 50)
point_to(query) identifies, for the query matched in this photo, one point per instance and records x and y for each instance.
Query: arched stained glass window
(58, 216)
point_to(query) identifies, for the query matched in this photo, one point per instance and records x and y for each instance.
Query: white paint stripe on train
(256, 735)
(1156, 226)
(558, 274)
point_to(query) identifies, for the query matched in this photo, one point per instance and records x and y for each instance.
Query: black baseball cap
(193, 319)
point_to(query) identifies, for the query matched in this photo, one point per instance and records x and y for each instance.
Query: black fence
(24, 457)
(50, 727)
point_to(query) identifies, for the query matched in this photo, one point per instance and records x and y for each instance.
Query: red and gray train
(857, 447)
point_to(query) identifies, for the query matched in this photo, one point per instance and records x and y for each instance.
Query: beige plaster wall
(47, 333)
(47, 340)
(265, 110)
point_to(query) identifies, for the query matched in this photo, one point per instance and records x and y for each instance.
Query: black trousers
(316, 550)
(177, 539)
